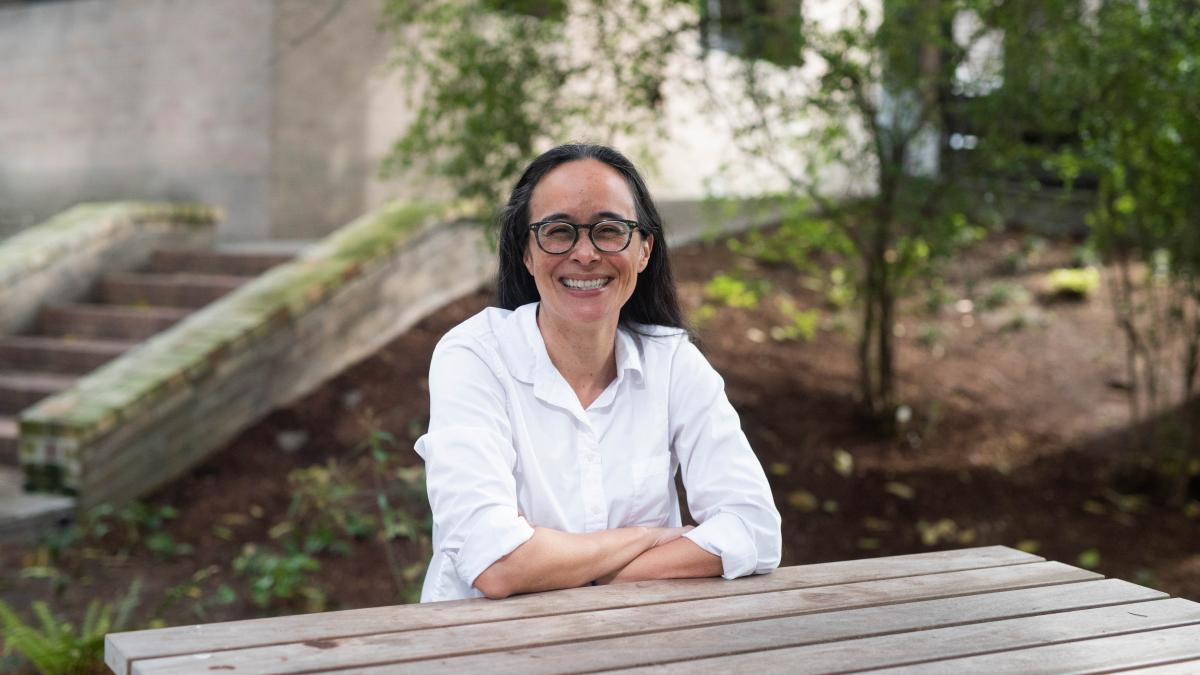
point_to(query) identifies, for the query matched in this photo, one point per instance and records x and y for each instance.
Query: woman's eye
(557, 230)
(610, 231)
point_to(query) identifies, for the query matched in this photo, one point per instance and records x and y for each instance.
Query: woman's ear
(528, 260)
(647, 246)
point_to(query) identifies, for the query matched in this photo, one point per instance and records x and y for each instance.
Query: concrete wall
(337, 108)
(276, 111)
(136, 99)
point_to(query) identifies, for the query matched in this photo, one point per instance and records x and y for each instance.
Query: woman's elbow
(493, 584)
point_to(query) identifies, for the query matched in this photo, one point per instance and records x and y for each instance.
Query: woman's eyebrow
(596, 217)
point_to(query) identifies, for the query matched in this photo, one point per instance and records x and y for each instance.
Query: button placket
(592, 482)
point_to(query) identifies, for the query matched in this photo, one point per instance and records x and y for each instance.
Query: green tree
(1118, 83)
(497, 81)
(1121, 82)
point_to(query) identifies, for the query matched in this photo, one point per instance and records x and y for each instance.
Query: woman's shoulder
(489, 333)
(486, 323)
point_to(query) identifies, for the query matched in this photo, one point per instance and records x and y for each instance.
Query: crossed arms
(552, 559)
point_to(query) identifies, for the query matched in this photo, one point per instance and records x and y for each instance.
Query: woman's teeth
(582, 285)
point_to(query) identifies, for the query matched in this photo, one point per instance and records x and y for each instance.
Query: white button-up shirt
(510, 446)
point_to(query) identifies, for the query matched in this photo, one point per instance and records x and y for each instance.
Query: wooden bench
(990, 609)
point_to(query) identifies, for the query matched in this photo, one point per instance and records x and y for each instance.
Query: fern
(54, 646)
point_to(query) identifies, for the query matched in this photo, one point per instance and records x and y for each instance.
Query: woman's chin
(586, 310)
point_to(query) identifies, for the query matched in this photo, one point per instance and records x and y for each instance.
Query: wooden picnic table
(990, 609)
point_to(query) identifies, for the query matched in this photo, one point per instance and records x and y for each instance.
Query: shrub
(1073, 284)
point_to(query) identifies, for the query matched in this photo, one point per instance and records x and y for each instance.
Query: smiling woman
(558, 420)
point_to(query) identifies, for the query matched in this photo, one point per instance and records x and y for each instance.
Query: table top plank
(1136, 650)
(812, 628)
(1188, 667)
(573, 628)
(922, 650)
(123, 648)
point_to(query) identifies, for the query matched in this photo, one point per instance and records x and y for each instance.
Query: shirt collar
(530, 362)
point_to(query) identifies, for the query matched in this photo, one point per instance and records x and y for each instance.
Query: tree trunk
(866, 378)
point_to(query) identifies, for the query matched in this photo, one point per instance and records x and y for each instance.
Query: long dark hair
(653, 302)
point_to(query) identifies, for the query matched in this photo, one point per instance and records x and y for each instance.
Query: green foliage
(280, 578)
(799, 241)
(496, 86)
(1073, 283)
(488, 86)
(193, 592)
(732, 291)
(335, 504)
(1113, 89)
(800, 324)
(55, 646)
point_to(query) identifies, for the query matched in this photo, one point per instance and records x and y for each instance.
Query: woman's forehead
(581, 189)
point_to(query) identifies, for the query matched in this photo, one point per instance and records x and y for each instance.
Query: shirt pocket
(651, 490)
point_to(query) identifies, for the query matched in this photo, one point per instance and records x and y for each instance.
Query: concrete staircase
(122, 309)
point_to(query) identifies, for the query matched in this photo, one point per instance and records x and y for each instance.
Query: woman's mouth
(584, 284)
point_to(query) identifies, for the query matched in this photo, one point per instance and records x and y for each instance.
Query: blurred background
(945, 253)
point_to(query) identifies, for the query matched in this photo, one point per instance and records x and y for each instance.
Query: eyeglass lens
(609, 236)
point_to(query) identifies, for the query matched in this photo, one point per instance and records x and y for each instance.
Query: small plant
(55, 646)
(840, 292)
(936, 296)
(731, 291)
(1073, 284)
(280, 578)
(1000, 295)
(192, 591)
(929, 335)
(702, 314)
(800, 324)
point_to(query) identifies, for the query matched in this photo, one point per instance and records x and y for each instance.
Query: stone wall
(59, 260)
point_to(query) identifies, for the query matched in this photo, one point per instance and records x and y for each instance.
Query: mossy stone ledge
(138, 409)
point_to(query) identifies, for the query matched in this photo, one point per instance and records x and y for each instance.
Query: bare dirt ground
(1018, 436)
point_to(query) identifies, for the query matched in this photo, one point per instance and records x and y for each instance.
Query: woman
(558, 420)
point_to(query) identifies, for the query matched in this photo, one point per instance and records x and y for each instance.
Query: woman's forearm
(678, 559)
(552, 559)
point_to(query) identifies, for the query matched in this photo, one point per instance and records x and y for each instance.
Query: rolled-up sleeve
(727, 489)
(469, 462)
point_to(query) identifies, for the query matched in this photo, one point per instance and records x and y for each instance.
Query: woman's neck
(584, 355)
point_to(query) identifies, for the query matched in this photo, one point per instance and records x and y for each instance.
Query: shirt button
(594, 458)
(595, 510)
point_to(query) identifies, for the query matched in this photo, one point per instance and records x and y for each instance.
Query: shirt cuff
(499, 531)
(725, 535)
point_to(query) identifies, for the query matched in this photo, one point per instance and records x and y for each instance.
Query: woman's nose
(584, 251)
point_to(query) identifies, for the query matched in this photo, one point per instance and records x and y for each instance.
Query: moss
(45, 243)
(188, 351)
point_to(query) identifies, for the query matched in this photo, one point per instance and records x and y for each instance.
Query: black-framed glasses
(557, 237)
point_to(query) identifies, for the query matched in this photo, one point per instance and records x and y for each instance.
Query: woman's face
(584, 192)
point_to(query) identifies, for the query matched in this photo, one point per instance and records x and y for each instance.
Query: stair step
(165, 290)
(8, 441)
(213, 262)
(108, 321)
(57, 354)
(24, 516)
(20, 390)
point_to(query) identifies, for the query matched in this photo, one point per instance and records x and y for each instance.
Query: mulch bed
(1018, 435)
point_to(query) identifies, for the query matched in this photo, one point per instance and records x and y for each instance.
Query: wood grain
(734, 618)
(928, 651)
(626, 652)
(1137, 650)
(122, 649)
